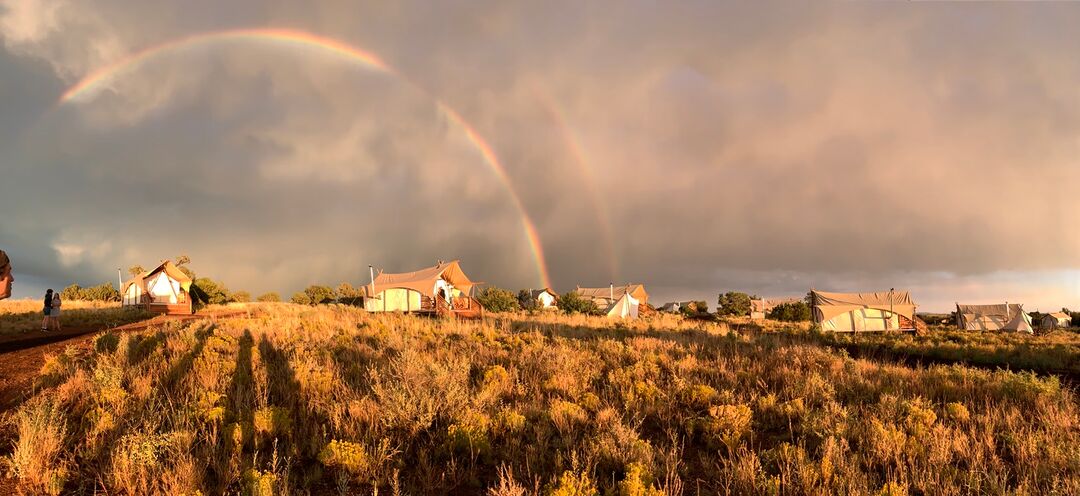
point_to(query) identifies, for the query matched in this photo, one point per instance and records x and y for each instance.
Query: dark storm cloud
(765, 147)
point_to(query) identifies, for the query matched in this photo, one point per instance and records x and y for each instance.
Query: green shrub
(572, 302)
(572, 483)
(797, 311)
(495, 299)
(269, 297)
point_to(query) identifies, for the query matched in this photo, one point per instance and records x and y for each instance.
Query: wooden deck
(169, 309)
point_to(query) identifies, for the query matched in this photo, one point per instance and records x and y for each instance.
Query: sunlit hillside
(326, 400)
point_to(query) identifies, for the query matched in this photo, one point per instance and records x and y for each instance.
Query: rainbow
(574, 146)
(95, 81)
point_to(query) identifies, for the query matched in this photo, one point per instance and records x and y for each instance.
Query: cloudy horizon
(697, 147)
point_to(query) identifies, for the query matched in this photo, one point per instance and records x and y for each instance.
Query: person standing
(54, 314)
(6, 279)
(47, 309)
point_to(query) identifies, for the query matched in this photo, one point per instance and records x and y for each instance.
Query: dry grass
(19, 316)
(1048, 352)
(330, 399)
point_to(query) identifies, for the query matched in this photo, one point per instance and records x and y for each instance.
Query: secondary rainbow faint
(95, 81)
(581, 159)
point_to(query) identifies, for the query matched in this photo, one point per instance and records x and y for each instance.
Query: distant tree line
(102, 292)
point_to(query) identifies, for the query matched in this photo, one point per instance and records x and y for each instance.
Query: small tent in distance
(1056, 320)
(441, 289)
(999, 317)
(858, 312)
(623, 302)
(164, 290)
(760, 308)
(672, 306)
(545, 299)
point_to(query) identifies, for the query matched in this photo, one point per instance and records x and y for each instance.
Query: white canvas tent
(858, 312)
(165, 289)
(442, 288)
(545, 298)
(617, 301)
(1000, 317)
(626, 307)
(1056, 320)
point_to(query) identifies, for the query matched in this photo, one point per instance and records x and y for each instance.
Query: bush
(733, 303)
(790, 312)
(497, 300)
(300, 298)
(319, 294)
(211, 291)
(694, 308)
(241, 297)
(526, 301)
(269, 297)
(573, 303)
(102, 292)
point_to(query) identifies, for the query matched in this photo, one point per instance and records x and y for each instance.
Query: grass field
(1051, 352)
(331, 400)
(21, 316)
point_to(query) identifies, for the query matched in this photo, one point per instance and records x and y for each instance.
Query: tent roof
(423, 280)
(1060, 315)
(535, 293)
(636, 290)
(991, 310)
(832, 304)
(168, 268)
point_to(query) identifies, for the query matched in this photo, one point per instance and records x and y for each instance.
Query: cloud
(757, 146)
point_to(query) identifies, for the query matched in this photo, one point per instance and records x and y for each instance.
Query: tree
(346, 290)
(497, 300)
(102, 292)
(73, 292)
(215, 293)
(797, 311)
(572, 302)
(136, 270)
(241, 297)
(694, 308)
(182, 262)
(733, 303)
(269, 297)
(348, 294)
(526, 301)
(319, 294)
(300, 298)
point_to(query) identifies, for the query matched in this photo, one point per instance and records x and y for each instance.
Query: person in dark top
(47, 310)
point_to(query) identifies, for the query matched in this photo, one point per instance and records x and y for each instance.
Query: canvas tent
(544, 298)
(166, 289)
(1056, 320)
(617, 301)
(672, 306)
(760, 308)
(5, 276)
(441, 288)
(1001, 317)
(858, 312)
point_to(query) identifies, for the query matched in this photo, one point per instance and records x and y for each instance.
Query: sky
(697, 147)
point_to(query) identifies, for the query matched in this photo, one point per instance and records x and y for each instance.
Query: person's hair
(49, 291)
